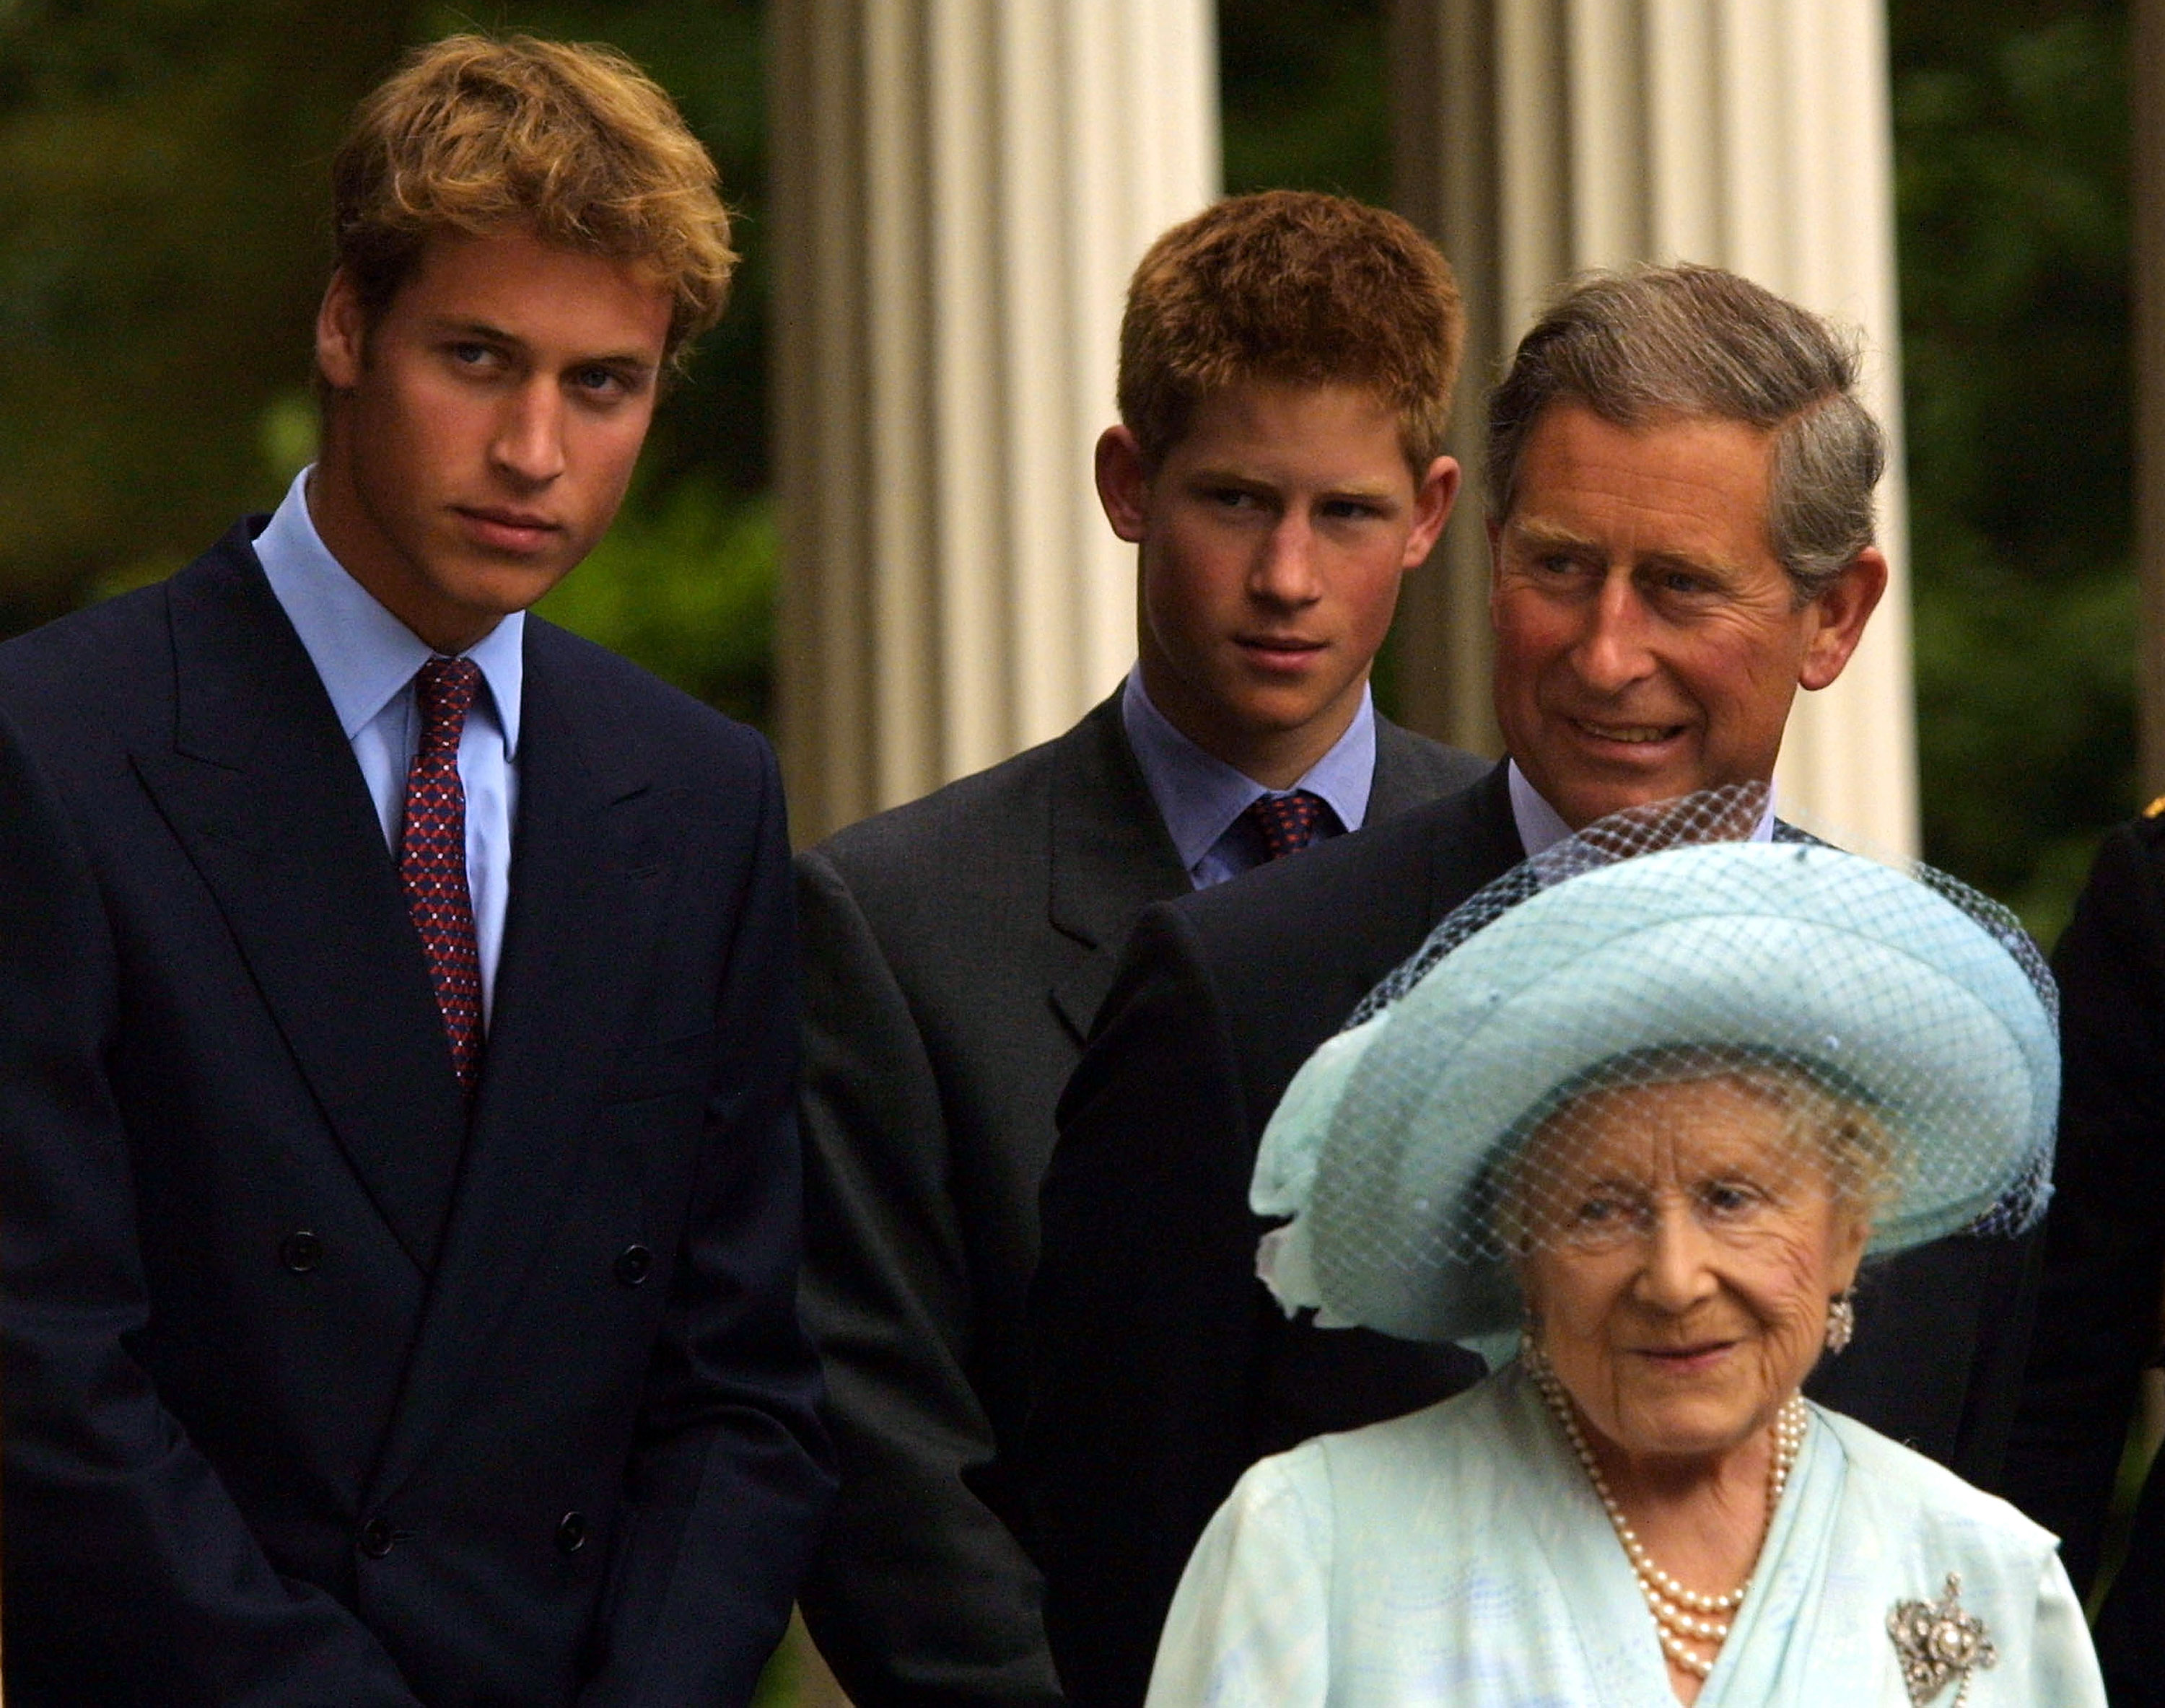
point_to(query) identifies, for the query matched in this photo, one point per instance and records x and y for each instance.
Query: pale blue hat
(1922, 1000)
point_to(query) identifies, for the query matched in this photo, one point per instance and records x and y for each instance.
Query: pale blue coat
(1459, 1556)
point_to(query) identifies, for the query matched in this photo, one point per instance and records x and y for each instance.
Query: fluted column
(960, 190)
(1536, 137)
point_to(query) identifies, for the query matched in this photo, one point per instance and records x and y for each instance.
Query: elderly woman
(1653, 1117)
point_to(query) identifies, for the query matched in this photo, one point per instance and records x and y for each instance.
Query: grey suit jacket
(955, 951)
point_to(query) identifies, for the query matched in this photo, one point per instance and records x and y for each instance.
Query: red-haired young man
(1287, 362)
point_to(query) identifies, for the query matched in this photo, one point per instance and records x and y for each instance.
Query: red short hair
(1298, 287)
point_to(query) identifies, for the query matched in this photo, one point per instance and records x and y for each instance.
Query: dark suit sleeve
(921, 1593)
(130, 1575)
(1143, 1314)
(730, 1473)
(2105, 1237)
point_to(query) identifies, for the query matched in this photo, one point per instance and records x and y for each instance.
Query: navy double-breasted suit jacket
(320, 1387)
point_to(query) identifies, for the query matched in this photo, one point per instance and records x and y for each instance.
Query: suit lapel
(1480, 845)
(594, 857)
(1394, 787)
(261, 789)
(1409, 774)
(1111, 856)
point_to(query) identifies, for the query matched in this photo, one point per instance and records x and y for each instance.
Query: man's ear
(1123, 484)
(1432, 501)
(1838, 616)
(1495, 531)
(341, 334)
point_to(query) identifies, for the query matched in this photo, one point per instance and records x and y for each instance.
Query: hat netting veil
(1653, 1017)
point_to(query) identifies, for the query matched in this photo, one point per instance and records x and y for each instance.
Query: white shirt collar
(1542, 827)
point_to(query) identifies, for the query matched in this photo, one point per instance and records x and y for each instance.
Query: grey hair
(1654, 344)
(1863, 1159)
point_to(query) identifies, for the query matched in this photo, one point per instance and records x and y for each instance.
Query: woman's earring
(1531, 1355)
(1841, 1320)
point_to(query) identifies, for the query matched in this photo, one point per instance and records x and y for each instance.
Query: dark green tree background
(162, 244)
(2011, 176)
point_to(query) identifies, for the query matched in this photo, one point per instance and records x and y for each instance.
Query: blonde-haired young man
(1286, 366)
(400, 1185)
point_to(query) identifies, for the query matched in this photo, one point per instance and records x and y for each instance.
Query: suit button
(301, 1251)
(634, 1264)
(376, 1538)
(572, 1532)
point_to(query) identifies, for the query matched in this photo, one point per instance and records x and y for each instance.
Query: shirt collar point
(1199, 796)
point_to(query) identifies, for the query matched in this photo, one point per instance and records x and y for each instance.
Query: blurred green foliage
(686, 585)
(1302, 88)
(2011, 180)
(160, 249)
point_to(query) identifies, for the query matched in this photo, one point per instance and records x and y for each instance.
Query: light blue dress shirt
(1542, 827)
(1200, 797)
(367, 660)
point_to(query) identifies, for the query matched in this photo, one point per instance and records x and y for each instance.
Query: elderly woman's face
(1688, 1247)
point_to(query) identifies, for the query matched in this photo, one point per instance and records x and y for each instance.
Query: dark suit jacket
(2097, 1311)
(1162, 1367)
(319, 1389)
(954, 952)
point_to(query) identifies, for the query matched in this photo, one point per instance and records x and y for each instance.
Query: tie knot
(445, 689)
(1288, 823)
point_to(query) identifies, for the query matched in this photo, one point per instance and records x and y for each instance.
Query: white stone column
(960, 189)
(1537, 137)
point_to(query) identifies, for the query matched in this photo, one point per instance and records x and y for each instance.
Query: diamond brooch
(1939, 1643)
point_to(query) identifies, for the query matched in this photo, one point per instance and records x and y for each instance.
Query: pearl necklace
(1682, 1617)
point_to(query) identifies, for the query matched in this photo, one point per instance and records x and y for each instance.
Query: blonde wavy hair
(571, 142)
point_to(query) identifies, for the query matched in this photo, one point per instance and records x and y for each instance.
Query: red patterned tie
(432, 855)
(1288, 823)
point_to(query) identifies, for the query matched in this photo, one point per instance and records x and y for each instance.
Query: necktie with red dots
(432, 855)
(1286, 824)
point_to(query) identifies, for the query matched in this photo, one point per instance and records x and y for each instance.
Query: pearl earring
(1841, 1321)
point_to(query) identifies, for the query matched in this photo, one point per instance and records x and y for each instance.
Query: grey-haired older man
(1681, 481)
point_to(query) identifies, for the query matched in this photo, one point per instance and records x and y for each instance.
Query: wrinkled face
(1687, 1246)
(1273, 537)
(486, 425)
(1648, 641)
